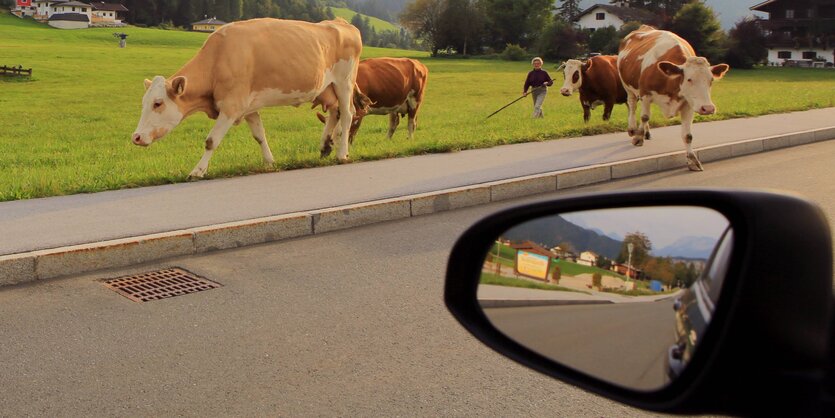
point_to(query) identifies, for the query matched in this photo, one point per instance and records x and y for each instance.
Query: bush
(514, 53)
(597, 281)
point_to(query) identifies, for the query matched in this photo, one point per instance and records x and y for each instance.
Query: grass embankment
(68, 130)
(489, 278)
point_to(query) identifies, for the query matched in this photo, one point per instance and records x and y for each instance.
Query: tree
(641, 246)
(746, 44)
(627, 28)
(698, 25)
(515, 21)
(560, 40)
(569, 10)
(461, 25)
(422, 18)
(602, 40)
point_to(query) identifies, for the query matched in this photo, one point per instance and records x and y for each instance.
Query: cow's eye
(689, 80)
(157, 105)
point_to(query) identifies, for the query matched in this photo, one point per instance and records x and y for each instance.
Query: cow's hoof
(647, 136)
(345, 160)
(637, 141)
(631, 132)
(196, 175)
(325, 152)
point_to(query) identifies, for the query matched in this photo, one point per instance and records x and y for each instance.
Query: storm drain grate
(159, 284)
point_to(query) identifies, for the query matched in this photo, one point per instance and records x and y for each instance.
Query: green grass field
(376, 23)
(68, 129)
(488, 278)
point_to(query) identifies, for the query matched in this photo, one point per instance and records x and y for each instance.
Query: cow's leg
(394, 121)
(326, 145)
(607, 110)
(412, 123)
(693, 162)
(586, 112)
(216, 135)
(642, 133)
(257, 129)
(344, 93)
(631, 105)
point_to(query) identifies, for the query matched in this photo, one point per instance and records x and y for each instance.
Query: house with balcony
(799, 32)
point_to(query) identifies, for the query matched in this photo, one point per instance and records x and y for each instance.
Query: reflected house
(532, 247)
(633, 273)
(588, 258)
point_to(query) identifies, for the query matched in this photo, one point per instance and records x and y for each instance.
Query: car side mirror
(581, 289)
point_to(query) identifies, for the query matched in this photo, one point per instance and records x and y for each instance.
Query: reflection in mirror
(623, 294)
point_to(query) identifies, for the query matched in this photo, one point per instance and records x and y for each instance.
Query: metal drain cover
(159, 284)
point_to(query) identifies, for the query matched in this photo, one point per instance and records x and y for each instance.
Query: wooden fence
(17, 71)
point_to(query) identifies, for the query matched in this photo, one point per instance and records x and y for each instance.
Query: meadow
(67, 130)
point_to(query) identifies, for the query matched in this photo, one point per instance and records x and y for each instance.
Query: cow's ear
(669, 68)
(178, 85)
(586, 66)
(147, 83)
(719, 70)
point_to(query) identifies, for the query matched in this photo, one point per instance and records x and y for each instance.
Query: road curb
(508, 303)
(62, 261)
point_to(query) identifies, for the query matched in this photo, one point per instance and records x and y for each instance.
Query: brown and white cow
(247, 65)
(659, 67)
(395, 87)
(598, 82)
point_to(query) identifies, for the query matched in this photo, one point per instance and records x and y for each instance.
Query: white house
(603, 15)
(588, 258)
(107, 14)
(69, 21)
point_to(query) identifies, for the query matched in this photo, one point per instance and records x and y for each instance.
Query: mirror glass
(623, 294)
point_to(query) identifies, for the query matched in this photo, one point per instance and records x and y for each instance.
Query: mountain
(688, 247)
(553, 230)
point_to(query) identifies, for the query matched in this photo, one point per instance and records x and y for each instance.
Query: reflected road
(623, 343)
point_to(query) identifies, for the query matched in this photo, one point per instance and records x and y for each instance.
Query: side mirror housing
(770, 331)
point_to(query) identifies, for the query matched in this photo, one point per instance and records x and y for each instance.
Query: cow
(657, 66)
(395, 87)
(247, 65)
(597, 81)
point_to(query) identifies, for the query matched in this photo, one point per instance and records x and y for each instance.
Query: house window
(784, 55)
(73, 8)
(600, 16)
(789, 13)
(809, 55)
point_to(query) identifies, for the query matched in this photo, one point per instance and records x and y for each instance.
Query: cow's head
(573, 71)
(696, 77)
(160, 112)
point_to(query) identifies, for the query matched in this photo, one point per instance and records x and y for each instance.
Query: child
(537, 79)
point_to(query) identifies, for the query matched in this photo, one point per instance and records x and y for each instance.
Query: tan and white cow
(247, 65)
(395, 88)
(659, 67)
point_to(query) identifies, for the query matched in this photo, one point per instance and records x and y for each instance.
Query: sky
(728, 11)
(663, 225)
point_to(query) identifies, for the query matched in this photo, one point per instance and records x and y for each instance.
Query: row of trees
(185, 12)
(663, 269)
(384, 38)
(472, 27)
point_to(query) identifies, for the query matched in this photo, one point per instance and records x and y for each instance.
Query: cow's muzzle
(565, 92)
(707, 110)
(137, 140)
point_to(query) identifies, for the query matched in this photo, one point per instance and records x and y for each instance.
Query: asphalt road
(347, 323)
(621, 343)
